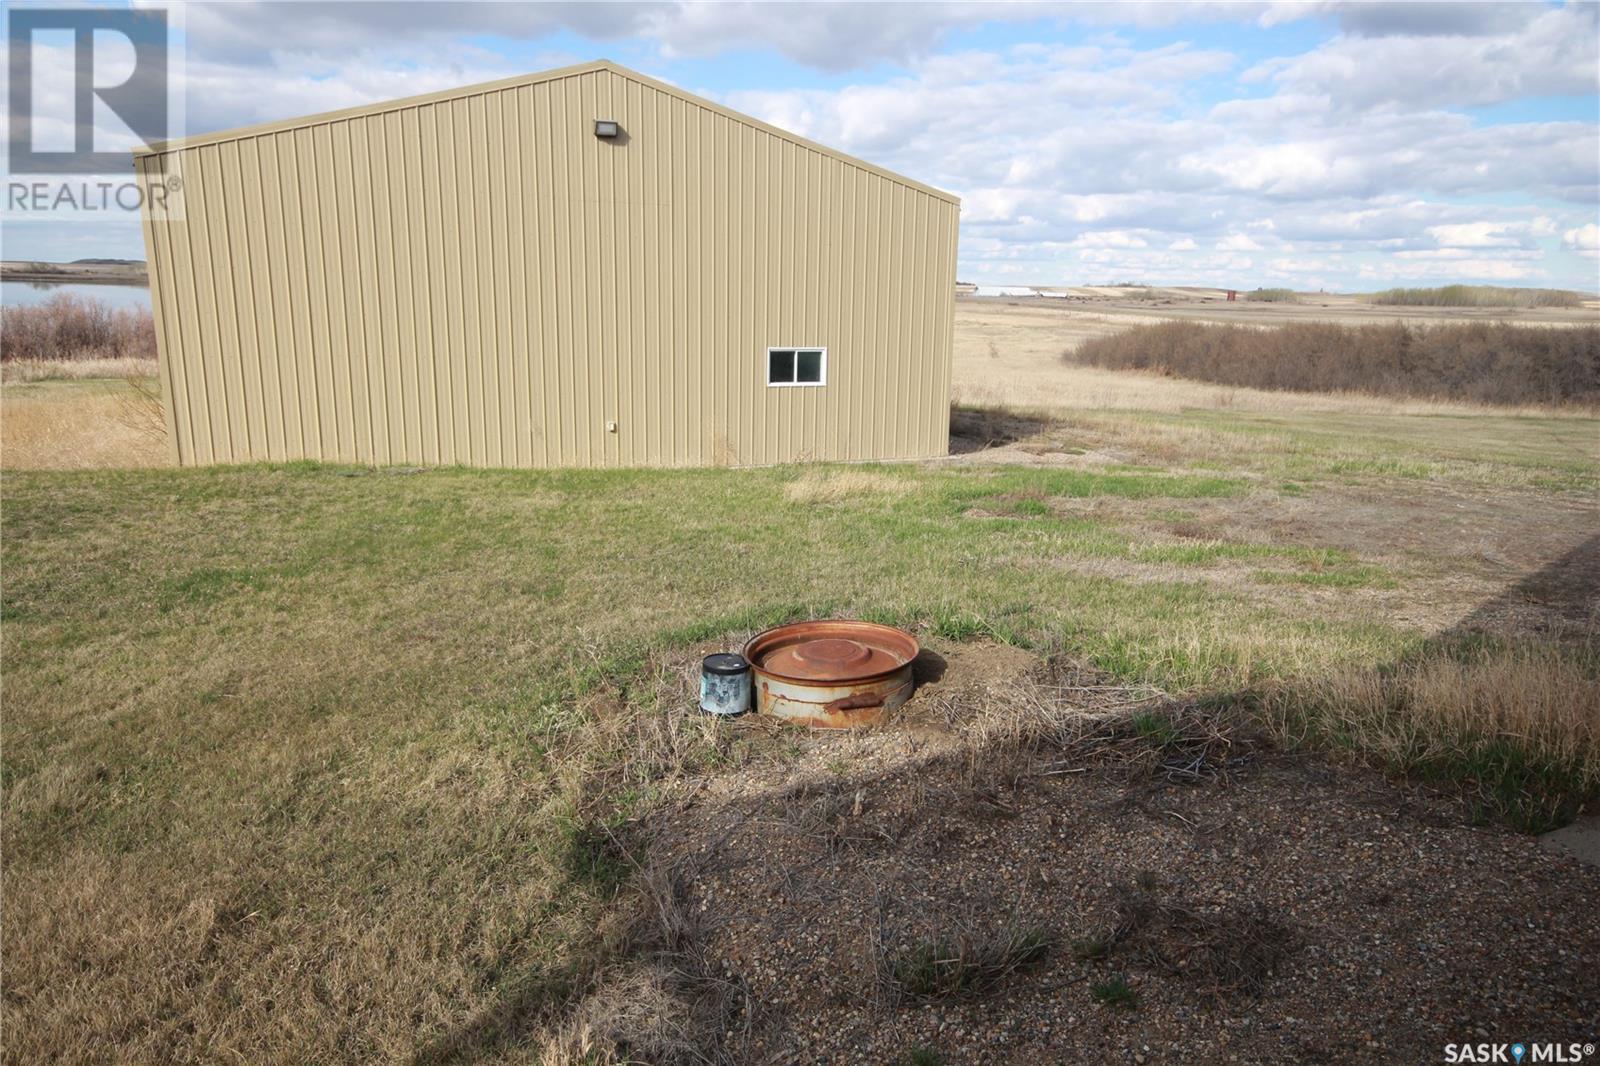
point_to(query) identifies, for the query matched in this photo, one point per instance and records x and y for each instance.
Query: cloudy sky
(1320, 145)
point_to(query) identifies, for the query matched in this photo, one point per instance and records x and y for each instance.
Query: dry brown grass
(1480, 362)
(82, 426)
(1518, 720)
(25, 370)
(816, 485)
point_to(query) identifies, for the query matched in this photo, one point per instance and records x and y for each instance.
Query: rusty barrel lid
(831, 651)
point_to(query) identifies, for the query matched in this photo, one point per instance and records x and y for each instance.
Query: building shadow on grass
(1560, 602)
(974, 429)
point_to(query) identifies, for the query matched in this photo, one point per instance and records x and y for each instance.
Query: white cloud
(1409, 17)
(1183, 244)
(1585, 240)
(1554, 52)
(1476, 234)
(1237, 242)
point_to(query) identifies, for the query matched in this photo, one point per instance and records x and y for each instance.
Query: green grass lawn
(289, 751)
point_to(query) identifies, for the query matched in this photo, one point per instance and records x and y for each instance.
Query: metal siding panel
(421, 445)
(638, 304)
(317, 267)
(281, 276)
(242, 315)
(608, 277)
(678, 385)
(169, 354)
(479, 279)
(589, 378)
(490, 150)
(548, 324)
(739, 357)
(212, 426)
(405, 443)
(364, 303)
(436, 284)
(657, 271)
(256, 226)
(519, 296)
(694, 379)
(300, 298)
(210, 262)
(355, 407)
(716, 381)
(384, 334)
(562, 276)
(337, 354)
(457, 290)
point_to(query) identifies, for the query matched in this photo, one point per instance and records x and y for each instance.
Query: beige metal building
(493, 276)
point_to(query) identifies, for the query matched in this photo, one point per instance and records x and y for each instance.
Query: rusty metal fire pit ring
(831, 674)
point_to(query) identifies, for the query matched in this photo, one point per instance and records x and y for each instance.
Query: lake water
(22, 293)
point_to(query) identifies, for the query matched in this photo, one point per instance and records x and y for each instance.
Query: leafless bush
(1478, 296)
(69, 328)
(1481, 362)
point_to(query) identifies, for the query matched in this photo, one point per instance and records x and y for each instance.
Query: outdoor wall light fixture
(605, 127)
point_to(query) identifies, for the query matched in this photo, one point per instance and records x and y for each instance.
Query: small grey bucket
(725, 684)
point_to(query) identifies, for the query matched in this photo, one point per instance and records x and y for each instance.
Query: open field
(1237, 708)
(82, 271)
(1008, 352)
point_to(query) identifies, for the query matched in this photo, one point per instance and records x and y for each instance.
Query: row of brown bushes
(1478, 296)
(1481, 362)
(70, 328)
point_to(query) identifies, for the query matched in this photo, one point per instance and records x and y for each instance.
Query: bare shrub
(1273, 296)
(1477, 296)
(67, 327)
(1481, 362)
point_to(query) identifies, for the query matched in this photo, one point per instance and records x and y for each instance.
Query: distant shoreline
(114, 272)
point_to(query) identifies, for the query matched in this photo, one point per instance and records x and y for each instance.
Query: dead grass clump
(1517, 723)
(68, 327)
(1093, 719)
(1480, 362)
(633, 1016)
(1226, 950)
(836, 486)
(961, 966)
(661, 999)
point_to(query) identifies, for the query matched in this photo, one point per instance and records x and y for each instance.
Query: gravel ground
(1270, 908)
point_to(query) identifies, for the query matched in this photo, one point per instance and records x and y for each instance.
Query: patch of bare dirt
(1145, 889)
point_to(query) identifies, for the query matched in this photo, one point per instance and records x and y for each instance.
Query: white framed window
(797, 366)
